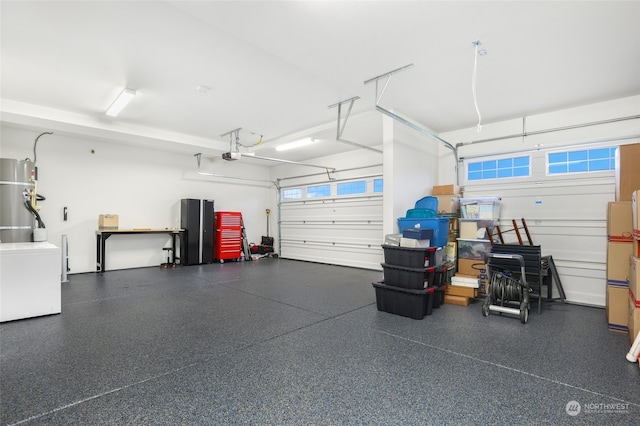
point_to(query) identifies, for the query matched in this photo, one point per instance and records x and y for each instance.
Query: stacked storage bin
(424, 216)
(414, 276)
(477, 215)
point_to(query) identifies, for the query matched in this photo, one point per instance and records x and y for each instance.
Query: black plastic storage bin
(438, 296)
(412, 257)
(412, 278)
(404, 302)
(439, 284)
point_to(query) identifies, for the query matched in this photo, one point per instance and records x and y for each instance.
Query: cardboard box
(617, 308)
(633, 321)
(636, 247)
(451, 189)
(465, 266)
(456, 300)
(634, 278)
(455, 290)
(108, 222)
(620, 221)
(618, 263)
(627, 177)
(634, 214)
(448, 204)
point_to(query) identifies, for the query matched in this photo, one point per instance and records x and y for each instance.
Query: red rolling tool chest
(228, 240)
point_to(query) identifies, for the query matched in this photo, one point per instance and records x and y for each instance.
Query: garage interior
(393, 100)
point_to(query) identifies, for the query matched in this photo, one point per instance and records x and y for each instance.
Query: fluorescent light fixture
(295, 144)
(121, 102)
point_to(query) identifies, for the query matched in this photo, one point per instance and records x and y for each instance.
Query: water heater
(16, 221)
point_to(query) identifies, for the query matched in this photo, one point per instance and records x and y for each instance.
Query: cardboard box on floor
(455, 290)
(457, 300)
(617, 308)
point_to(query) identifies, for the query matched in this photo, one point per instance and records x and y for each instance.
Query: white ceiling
(274, 67)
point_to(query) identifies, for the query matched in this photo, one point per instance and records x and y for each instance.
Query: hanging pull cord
(474, 79)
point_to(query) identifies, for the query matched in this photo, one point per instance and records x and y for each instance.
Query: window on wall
(499, 168)
(377, 185)
(292, 194)
(582, 161)
(350, 188)
(318, 191)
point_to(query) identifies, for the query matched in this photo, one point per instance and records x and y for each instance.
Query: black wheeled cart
(506, 293)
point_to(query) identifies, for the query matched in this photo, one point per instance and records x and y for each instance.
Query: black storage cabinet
(197, 220)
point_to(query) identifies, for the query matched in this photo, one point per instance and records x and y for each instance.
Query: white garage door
(563, 198)
(338, 223)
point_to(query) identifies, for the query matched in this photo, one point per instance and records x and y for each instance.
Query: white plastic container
(480, 208)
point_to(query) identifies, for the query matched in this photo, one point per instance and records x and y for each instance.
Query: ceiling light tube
(121, 101)
(295, 144)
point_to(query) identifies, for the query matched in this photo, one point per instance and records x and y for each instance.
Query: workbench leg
(98, 263)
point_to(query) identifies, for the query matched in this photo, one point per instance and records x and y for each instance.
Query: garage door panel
(339, 230)
(352, 208)
(355, 255)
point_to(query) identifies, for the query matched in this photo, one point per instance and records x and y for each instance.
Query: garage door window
(318, 191)
(377, 185)
(499, 168)
(582, 161)
(292, 194)
(350, 188)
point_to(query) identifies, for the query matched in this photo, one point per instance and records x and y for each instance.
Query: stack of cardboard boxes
(619, 250)
(449, 205)
(623, 253)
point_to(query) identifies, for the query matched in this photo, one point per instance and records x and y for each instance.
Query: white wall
(143, 186)
(410, 170)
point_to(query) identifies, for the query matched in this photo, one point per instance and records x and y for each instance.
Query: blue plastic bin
(423, 213)
(440, 226)
(429, 203)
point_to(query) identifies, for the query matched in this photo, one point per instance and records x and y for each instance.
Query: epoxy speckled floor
(280, 342)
